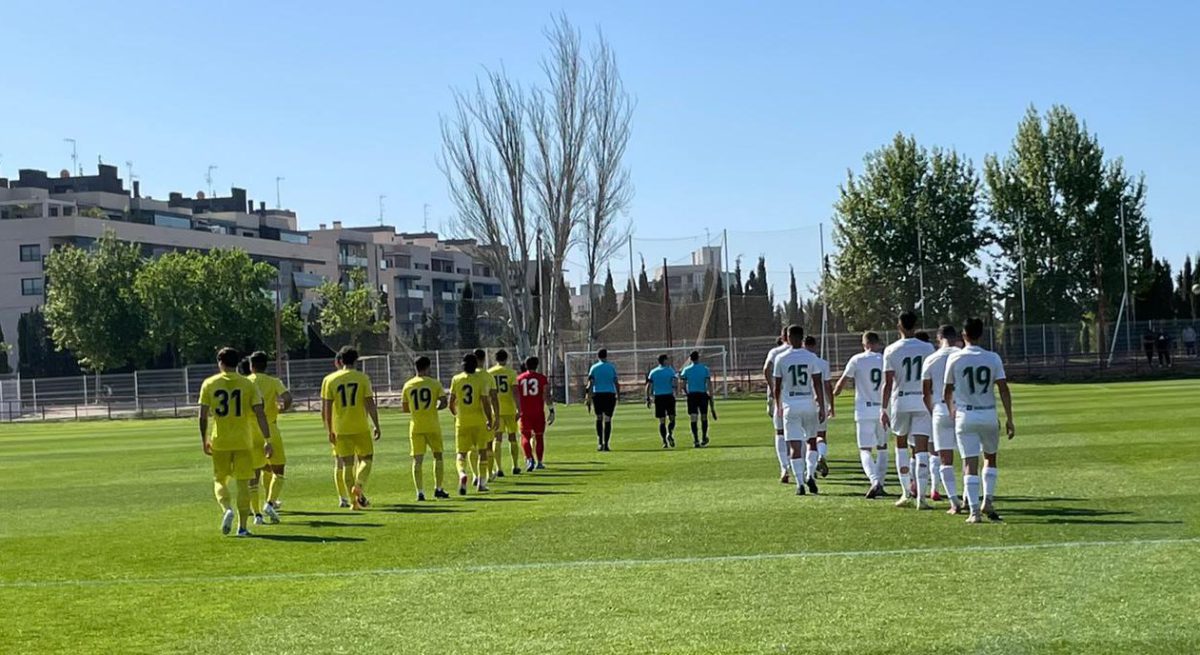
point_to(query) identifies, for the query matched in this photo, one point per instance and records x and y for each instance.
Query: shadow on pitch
(338, 524)
(538, 492)
(306, 538)
(403, 508)
(1078, 516)
(498, 499)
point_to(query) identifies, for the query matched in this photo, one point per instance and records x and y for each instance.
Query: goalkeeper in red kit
(533, 397)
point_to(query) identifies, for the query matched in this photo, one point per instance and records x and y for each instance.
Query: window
(31, 286)
(31, 253)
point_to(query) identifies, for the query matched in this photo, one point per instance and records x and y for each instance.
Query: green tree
(1156, 300)
(1055, 203)
(430, 331)
(91, 305)
(1185, 300)
(468, 318)
(39, 357)
(793, 311)
(910, 209)
(348, 312)
(5, 349)
(606, 306)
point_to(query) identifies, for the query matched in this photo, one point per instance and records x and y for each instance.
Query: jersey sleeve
(439, 391)
(325, 393)
(851, 368)
(206, 394)
(368, 392)
(256, 397)
(777, 368)
(927, 370)
(887, 361)
(999, 368)
(948, 378)
(280, 387)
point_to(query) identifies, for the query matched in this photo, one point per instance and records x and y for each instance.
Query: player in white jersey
(818, 447)
(943, 426)
(905, 413)
(798, 382)
(971, 373)
(781, 448)
(865, 372)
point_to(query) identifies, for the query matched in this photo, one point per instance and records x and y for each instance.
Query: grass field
(109, 544)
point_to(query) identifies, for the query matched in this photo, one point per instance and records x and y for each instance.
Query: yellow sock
(494, 458)
(268, 476)
(473, 462)
(439, 472)
(243, 502)
(515, 451)
(485, 465)
(460, 463)
(364, 472)
(417, 475)
(339, 479)
(276, 487)
(348, 478)
(255, 496)
(222, 491)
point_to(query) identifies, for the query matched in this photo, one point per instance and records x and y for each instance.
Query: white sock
(989, 482)
(922, 473)
(971, 482)
(812, 458)
(935, 467)
(798, 470)
(902, 463)
(948, 481)
(781, 451)
(881, 464)
(868, 464)
(822, 448)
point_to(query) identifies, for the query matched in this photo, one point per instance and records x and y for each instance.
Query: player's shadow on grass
(1038, 499)
(1079, 515)
(538, 492)
(498, 499)
(338, 524)
(306, 538)
(402, 508)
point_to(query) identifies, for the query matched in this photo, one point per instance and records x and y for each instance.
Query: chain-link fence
(1039, 352)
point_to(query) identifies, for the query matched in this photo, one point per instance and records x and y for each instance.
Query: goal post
(633, 365)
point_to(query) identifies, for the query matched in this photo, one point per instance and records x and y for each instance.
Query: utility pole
(667, 304)
(75, 169)
(278, 201)
(209, 179)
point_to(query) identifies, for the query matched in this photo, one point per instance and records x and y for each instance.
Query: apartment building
(39, 213)
(686, 279)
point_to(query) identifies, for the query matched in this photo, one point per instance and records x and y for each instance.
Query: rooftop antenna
(129, 171)
(208, 178)
(278, 202)
(74, 155)
(425, 221)
(381, 197)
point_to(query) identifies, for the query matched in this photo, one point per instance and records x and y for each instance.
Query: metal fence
(1041, 352)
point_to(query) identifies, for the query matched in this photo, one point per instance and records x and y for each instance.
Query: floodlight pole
(633, 303)
(1021, 264)
(824, 291)
(728, 296)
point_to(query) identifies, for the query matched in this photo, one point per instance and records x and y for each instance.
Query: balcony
(415, 293)
(307, 280)
(354, 261)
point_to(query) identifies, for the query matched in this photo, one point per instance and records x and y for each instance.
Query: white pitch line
(571, 564)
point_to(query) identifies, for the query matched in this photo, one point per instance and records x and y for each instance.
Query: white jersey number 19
(979, 378)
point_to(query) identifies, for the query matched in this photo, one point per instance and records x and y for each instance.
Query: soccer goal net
(633, 365)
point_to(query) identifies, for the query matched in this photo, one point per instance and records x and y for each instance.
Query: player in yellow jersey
(505, 381)
(422, 397)
(470, 403)
(276, 399)
(347, 401)
(234, 405)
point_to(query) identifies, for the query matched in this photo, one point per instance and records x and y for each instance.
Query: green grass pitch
(109, 543)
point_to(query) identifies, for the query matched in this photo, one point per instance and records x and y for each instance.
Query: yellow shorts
(234, 464)
(357, 445)
(279, 456)
(258, 452)
(427, 440)
(508, 424)
(472, 437)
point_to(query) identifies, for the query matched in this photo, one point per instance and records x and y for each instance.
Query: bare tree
(607, 191)
(483, 158)
(559, 119)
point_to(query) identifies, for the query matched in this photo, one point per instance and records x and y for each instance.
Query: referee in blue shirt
(697, 383)
(661, 382)
(601, 395)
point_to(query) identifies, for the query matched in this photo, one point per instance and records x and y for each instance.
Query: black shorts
(604, 403)
(697, 403)
(664, 406)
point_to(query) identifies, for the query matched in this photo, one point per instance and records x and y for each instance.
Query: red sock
(525, 446)
(541, 446)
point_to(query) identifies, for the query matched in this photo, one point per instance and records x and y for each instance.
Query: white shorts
(977, 432)
(912, 424)
(943, 429)
(822, 427)
(799, 423)
(871, 433)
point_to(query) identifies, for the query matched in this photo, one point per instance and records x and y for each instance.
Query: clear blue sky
(747, 117)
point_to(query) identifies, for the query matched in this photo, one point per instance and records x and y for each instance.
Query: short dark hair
(229, 357)
(602, 353)
(908, 320)
(694, 355)
(243, 366)
(810, 340)
(480, 356)
(532, 363)
(348, 355)
(947, 332)
(470, 362)
(258, 360)
(871, 338)
(795, 331)
(502, 355)
(973, 328)
(662, 358)
(922, 335)
(422, 363)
